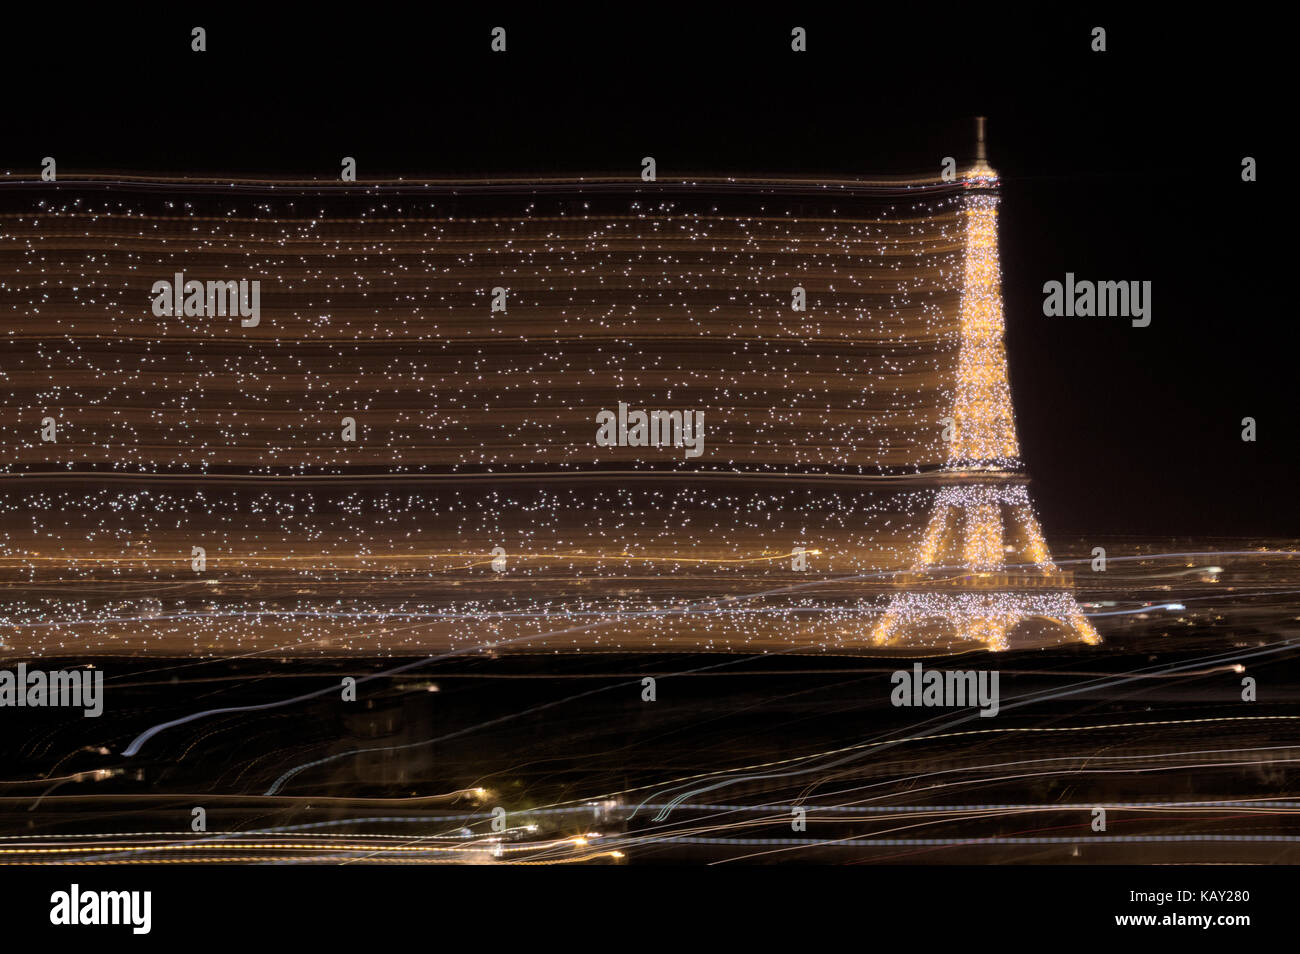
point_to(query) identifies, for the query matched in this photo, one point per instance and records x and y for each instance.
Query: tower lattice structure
(983, 567)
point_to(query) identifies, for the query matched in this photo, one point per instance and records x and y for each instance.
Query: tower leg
(981, 570)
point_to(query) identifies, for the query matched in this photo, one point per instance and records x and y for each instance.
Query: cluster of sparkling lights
(977, 516)
(348, 569)
(377, 306)
(986, 618)
(984, 430)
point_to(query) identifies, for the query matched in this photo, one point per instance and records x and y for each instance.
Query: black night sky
(1116, 166)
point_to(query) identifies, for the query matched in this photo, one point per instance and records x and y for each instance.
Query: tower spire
(980, 169)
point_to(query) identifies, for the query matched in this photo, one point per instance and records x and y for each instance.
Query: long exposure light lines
(378, 351)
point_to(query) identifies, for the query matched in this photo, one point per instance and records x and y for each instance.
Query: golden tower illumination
(982, 567)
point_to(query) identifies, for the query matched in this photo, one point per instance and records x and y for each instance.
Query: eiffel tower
(983, 567)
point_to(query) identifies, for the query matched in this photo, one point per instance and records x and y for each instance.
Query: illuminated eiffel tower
(983, 567)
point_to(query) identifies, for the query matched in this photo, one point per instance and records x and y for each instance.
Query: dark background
(1122, 165)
